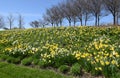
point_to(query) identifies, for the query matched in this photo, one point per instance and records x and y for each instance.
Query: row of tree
(38, 23)
(82, 11)
(10, 21)
(73, 11)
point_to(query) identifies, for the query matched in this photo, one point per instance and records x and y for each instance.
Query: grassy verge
(13, 71)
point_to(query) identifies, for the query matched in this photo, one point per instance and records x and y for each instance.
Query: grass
(13, 71)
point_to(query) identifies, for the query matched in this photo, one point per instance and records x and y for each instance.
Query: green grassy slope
(13, 71)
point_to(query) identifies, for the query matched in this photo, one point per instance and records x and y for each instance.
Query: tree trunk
(81, 21)
(85, 22)
(10, 26)
(96, 18)
(80, 18)
(52, 24)
(86, 18)
(117, 18)
(57, 24)
(114, 18)
(60, 22)
(98, 21)
(74, 23)
(69, 22)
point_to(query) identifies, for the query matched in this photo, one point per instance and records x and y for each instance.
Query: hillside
(95, 49)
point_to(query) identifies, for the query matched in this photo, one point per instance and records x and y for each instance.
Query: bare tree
(118, 13)
(1, 22)
(82, 10)
(118, 17)
(10, 19)
(66, 9)
(73, 11)
(79, 9)
(86, 11)
(55, 15)
(20, 21)
(42, 23)
(61, 14)
(58, 15)
(113, 6)
(49, 17)
(96, 9)
(35, 24)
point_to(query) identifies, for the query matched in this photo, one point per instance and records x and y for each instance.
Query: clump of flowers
(19, 49)
(55, 55)
(101, 55)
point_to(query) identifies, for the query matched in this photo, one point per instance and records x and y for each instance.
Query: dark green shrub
(64, 68)
(76, 69)
(110, 71)
(27, 61)
(117, 75)
(43, 64)
(63, 60)
(35, 61)
(0, 57)
(3, 57)
(17, 61)
(10, 59)
(13, 60)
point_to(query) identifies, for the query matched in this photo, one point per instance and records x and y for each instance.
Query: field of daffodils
(95, 50)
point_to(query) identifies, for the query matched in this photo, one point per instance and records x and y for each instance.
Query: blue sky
(29, 9)
(32, 10)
